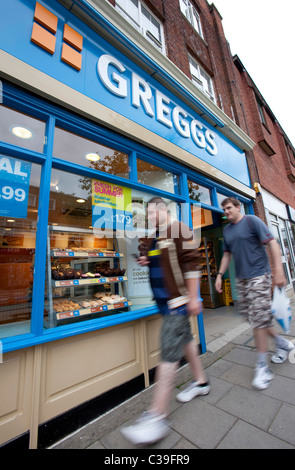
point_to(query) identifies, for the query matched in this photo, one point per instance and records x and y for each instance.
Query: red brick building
(192, 37)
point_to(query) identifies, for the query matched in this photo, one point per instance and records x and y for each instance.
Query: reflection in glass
(199, 193)
(19, 129)
(156, 177)
(85, 152)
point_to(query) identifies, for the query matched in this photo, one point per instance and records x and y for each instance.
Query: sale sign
(14, 187)
(111, 206)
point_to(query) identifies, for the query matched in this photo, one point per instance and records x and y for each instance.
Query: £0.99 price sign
(14, 187)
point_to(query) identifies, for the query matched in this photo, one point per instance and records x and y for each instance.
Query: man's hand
(143, 260)
(279, 278)
(218, 284)
(194, 307)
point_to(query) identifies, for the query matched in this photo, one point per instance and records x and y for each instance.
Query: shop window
(201, 79)
(85, 152)
(199, 193)
(94, 234)
(152, 175)
(19, 129)
(19, 187)
(143, 20)
(192, 15)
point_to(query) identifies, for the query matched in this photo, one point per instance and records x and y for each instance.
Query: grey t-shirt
(246, 240)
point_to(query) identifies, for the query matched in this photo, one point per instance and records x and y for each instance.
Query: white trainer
(281, 355)
(148, 429)
(193, 390)
(262, 378)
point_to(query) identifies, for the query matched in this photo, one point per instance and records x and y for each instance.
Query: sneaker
(148, 429)
(193, 390)
(281, 355)
(262, 378)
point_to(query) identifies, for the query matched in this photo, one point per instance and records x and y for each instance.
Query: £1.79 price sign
(14, 187)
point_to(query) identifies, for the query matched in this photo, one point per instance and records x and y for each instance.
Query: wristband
(221, 274)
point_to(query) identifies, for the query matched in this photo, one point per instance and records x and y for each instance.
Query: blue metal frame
(56, 116)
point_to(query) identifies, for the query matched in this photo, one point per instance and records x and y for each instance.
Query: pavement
(232, 416)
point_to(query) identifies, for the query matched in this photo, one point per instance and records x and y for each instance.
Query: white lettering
(162, 109)
(103, 66)
(181, 125)
(142, 94)
(17, 168)
(5, 165)
(198, 137)
(209, 137)
(141, 91)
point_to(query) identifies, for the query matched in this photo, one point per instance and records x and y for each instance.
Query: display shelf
(89, 281)
(83, 254)
(91, 310)
(64, 257)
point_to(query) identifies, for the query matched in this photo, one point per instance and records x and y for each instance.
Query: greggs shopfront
(93, 126)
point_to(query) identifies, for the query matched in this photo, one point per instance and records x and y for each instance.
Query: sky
(261, 33)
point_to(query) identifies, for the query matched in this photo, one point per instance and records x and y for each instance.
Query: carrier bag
(281, 308)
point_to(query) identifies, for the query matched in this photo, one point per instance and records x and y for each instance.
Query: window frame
(197, 80)
(54, 115)
(192, 15)
(159, 43)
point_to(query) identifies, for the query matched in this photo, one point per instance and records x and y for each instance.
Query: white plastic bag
(281, 308)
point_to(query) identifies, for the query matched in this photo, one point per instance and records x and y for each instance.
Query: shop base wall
(45, 381)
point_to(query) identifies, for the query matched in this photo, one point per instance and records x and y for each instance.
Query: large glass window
(152, 175)
(95, 229)
(199, 193)
(19, 129)
(77, 149)
(19, 191)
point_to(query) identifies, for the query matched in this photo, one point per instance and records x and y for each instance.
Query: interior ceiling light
(80, 200)
(92, 157)
(22, 132)
(10, 220)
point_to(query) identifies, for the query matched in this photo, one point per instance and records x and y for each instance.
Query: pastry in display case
(85, 276)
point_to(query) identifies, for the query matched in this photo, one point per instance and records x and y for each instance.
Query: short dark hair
(231, 199)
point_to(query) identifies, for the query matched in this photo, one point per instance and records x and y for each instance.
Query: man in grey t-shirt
(245, 238)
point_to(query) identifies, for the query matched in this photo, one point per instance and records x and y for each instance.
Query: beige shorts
(254, 300)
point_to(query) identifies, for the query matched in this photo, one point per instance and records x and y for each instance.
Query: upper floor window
(192, 15)
(261, 111)
(201, 79)
(143, 20)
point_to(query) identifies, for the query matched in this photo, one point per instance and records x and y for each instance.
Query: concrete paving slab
(246, 436)
(251, 406)
(239, 375)
(282, 388)
(202, 424)
(283, 425)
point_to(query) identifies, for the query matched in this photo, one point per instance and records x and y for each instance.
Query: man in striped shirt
(173, 261)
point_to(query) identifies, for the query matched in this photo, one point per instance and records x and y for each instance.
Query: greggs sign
(141, 95)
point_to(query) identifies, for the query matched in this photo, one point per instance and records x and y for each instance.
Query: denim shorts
(175, 333)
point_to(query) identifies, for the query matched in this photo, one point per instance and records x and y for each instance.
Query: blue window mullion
(133, 167)
(41, 236)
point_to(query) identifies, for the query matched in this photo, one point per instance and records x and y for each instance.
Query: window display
(85, 275)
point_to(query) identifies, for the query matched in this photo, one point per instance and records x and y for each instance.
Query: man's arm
(194, 305)
(279, 278)
(223, 267)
